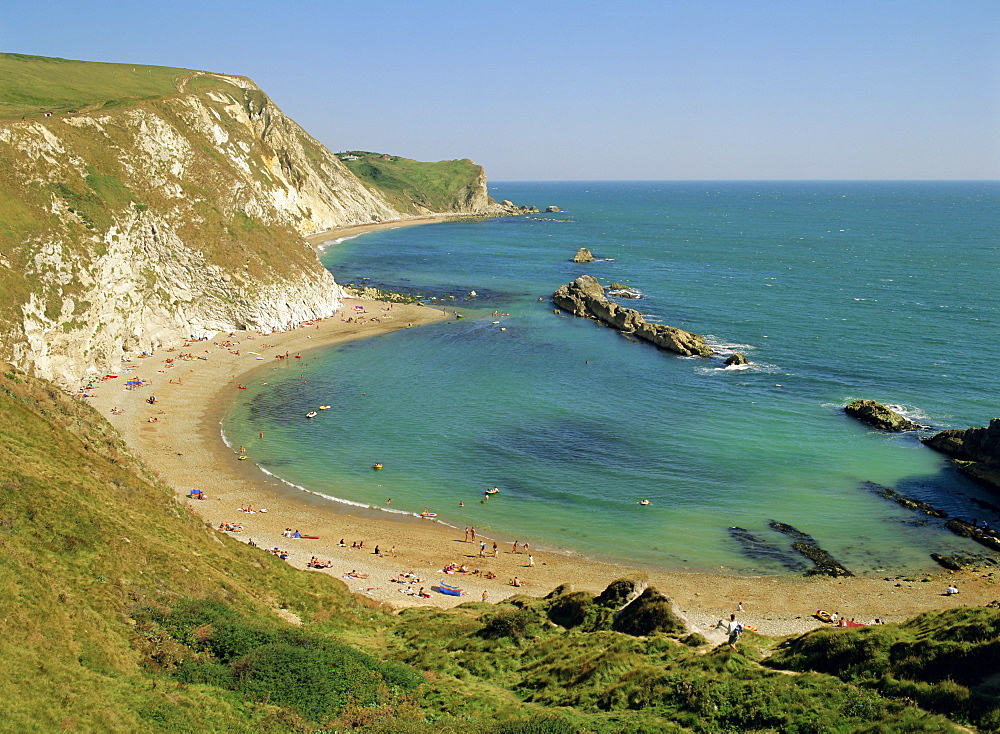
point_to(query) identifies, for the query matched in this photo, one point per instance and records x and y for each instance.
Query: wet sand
(184, 447)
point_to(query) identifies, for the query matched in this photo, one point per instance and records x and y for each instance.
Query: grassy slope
(411, 184)
(125, 613)
(87, 544)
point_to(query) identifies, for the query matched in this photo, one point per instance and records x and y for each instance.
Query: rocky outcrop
(976, 451)
(823, 563)
(736, 359)
(552, 210)
(903, 501)
(877, 415)
(136, 225)
(583, 255)
(585, 297)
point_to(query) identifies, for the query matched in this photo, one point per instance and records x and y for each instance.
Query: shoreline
(193, 396)
(321, 240)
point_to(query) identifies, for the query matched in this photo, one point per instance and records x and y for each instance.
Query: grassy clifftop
(417, 187)
(30, 86)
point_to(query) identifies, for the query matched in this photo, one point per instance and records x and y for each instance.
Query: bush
(651, 612)
(317, 680)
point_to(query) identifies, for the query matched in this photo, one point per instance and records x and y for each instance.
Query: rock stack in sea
(585, 297)
(878, 415)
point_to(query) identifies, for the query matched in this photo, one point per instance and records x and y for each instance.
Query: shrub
(317, 680)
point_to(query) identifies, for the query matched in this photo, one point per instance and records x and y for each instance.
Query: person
(739, 607)
(376, 551)
(486, 595)
(496, 550)
(466, 536)
(472, 533)
(952, 590)
(834, 617)
(296, 535)
(516, 581)
(734, 629)
(514, 549)
(482, 548)
(531, 561)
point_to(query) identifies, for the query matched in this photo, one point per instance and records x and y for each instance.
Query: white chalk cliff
(131, 227)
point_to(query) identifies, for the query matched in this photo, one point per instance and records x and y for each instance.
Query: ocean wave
(726, 348)
(350, 503)
(327, 243)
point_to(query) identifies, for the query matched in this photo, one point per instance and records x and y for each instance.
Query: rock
(570, 610)
(552, 209)
(976, 451)
(736, 359)
(878, 415)
(959, 562)
(823, 562)
(903, 501)
(583, 255)
(621, 591)
(983, 536)
(585, 297)
(650, 612)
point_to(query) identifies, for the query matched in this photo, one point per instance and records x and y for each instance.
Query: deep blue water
(834, 290)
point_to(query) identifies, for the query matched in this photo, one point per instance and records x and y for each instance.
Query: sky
(589, 90)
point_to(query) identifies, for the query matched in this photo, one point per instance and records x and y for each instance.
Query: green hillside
(33, 85)
(123, 612)
(413, 186)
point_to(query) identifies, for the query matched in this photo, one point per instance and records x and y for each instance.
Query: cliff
(144, 204)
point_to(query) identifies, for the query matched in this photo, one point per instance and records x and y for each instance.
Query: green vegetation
(33, 85)
(415, 187)
(123, 612)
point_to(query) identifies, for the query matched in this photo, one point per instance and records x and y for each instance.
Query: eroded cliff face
(128, 228)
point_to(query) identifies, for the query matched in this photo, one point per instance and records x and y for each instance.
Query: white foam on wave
(726, 348)
(351, 503)
(327, 243)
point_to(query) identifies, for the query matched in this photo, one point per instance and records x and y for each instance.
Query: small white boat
(311, 414)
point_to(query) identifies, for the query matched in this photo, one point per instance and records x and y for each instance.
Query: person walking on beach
(734, 629)
(531, 561)
(466, 536)
(496, 550)
(514, 549)
(482, 549)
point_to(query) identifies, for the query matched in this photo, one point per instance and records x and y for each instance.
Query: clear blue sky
(652, 89)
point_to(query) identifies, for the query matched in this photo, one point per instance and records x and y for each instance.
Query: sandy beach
(179, 438)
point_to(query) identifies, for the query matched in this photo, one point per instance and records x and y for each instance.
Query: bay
(834, 291)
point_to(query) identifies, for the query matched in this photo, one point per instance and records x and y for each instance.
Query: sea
(834, 291)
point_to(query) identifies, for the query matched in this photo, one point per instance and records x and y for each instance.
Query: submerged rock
(904, 501)
(823, 562)
(878, 415)
(583, 255)
(585, 297)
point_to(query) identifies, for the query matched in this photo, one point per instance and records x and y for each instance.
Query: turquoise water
(835, 291)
